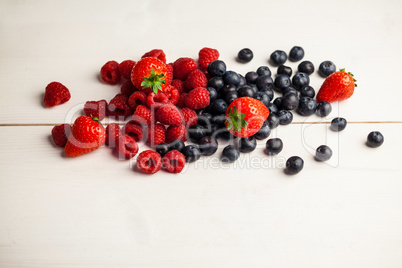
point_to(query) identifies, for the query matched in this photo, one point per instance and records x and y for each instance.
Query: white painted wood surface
(95, 211)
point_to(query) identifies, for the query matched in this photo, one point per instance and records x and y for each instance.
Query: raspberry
(190, 117)
(156, 53)
(206, 56)
(178, 84)
(143, 115)
(60, 134)
(128, 88)
(56, 94)
(113, 133)
(125, 68)
(137, 98)
(169, 114)
(195, 79)
(169, 75)
(155, 134)
(198, 98)
(173, 161)
(155, 101)
(182, 100)
(172, 93)
(182, 67)
(127, 147)
(96, 109)
(110, 72)
(134, 130)
(149, 161)
(118, 106)
(176, 133)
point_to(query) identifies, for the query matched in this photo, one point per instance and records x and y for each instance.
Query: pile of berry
(167, 104)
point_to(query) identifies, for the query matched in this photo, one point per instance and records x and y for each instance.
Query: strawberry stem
(236, 120)
(154, 81)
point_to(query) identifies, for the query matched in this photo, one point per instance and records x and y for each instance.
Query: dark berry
(326, 68)
(307, 106)
(231, 96)
(218, 120)
(216, 68)
(278, 103)
(177, 145)
(247, 145)
(306, 67)
(273, 121)
(204, 119)
(263, 70)
(245, 55)
(278, 57)
(290, 101)
(375, 139)
(231, 78)
(323, 153)
(208, 145)
(162, 148)
(225, 134)
(282, 81)
(227, 89)
(245, 91)
(254, 88)
(285, 117)
(263, 97)
(338, 124)
(274, 146)
(289, 90)
(196, 132)
(263, 132)
(296, 53)
(192, 153)
(213, 94)
(263, 81)
(323, 109)
(268, 90)
(251, 77)
(273, 109)
(307, 91)
(219, 106)
(294, 165)
(216, 82)
(230, 154)
(282, 69)
(242, 81)
(300, 80)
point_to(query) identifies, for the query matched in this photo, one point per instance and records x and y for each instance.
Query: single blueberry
(273, 121)
(338, 124)
(282, 69)
(289, 90)
(213, 94)
(278, 57)
(216, 68)
(307, 106)
(192, 153)
(278, 103)
(231, 78)
(230, 154)
(300, 80)
(273, 109)
(268, 90)
(247, 145)
(196, 132)
(323, 153)
(274, 146)
(245, 55)
(263, 70)
(162, 148)
(263, 81)
(294, 165)
(307, 91)
(375, 139)
(263, 132)
(208, 145)
(227, 89)
(219, 106)
(231, 96)
(326, 68)
(285, 117)
(251, 77)
(177, 145)
(216, 82)
(282, 81)
(324, 108)
(296, 53)
(245, 91)
(242, 81)
(263, 97)
(306, 67)
(290, 101)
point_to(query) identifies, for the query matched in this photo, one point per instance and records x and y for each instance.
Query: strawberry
(337, 87)
(87, 134)
(245, 116)
(149, 74)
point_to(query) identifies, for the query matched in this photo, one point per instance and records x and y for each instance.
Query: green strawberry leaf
(154, 81)
(235, 120)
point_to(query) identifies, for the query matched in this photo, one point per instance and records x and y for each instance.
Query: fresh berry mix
(306, 67)
(338, 124)
(323, 153)
(274, 146)
(245, 55)
(296, 53)
(326, 68)
(60, 134)
(278, 57)
(149, 162)
(56, 94)
(294, 165)
(110, 73)
(375, 139)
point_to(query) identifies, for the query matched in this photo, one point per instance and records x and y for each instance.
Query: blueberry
(296, 53)
(208, 145)
(300, 80)
(218, 120)
(231, 96)
(273, 109)
(278, 103)
(204, 119)
(227, 89)
(216, 82)
(323, 153)
(196, 132)
(375, 139)
(251, 77)
(263, 70)
(247, 145)
(282, 69)
(225, 134)
(282, 81)
(273, 121)
(213, 94)
(278, 57)
(290, 101)
(307, 106)
(268, 90)
(230, 154)
(192, 153)
(306, 67)
(263, 97)
(162, 148)
(338, 124)
(324, 108)
(289, 90)
(245, 91)
(326, 68)
(216, 68)
(274, 146)
(285, 117)
(294, 165)
(242, 81)
(307, 91)
(263, 132)
(219, 106)
(245, 55)
(263, 80)
(231, 78)
(254, 88)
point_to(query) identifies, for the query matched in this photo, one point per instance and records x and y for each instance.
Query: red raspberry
(172, 93)
(182, 67)
(149, 161)
(96, 109)
(176, 133)
(190, 116)
(137, 98)
(155, 101)
(125, 68)
(195, 79)
(169, 114)
(143, 115)
(110, 72)
(134, 130)
(169, 75)
(156, 53)
(128, 88)
(198, 98)
(178, 84)
(206, 56)
(113, 133)
(60, 134)
(173, 161)
(127, 147)
(118, 107)
(56, 94)
(182, 100)
(155, 134)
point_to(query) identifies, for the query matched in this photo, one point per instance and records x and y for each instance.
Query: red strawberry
(169, 114)
(173, 161)
(155, 134)
(245, 116)
(86, 135)
(182, 67)
(96, 109)
(206, 56)
(195, 79)
(55, 94)
(60, 134)
(198, 98)
(190, 116)
(149, 161)
(110, 73)
(125, 68)
(156, 53)
(149, 74)
(338, 86)
(176, 133)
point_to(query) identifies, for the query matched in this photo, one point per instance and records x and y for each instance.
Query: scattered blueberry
(278, 103)
(338, 124)
(231, 96)
(323, 153)
(285, 117)
(245, 91)
(307, 91)
(263, 97)
(296, 53)
(162, 148)
(247, 145)
(230, 154)
(282, 69)
(263, 70)
(245, 55)
(242, 81)
(196, 132)
(300, 80)
(192, 153)
(324, 108)
(289, 90)
(219, 106)
(375, 139)
(204, 119)
(307, 106)
(216, 82)
(273, 109)
(290, 101)
(177, 145)
(294, 165)
(282, 81)
(274, 146)
(263, 132)
(263, 81)
(306, 67)
(216, 68)
(213, 94)
(251, 77)
(231, 78)
(268, 89)
(278, 57)
(326, 68)
(208, 145)
(273, 121)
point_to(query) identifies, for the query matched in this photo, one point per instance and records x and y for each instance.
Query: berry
(242, 81)
(96, 109)
(162, 148)
(137, 98)
(156, 53)
(282, 82)
(206, 56)
(263, 81)
(289, 101)
(245, 91)
(274, 146)
(196, 132)
(278, 57)
(296, 53)
(226, 89)
(56, 94)
(178, 84)
(204, 119)
(143, 115)
(173, 94)
(326, 68)
(230, 154)
(192, 153)
(278, 103)
(282, 69)
(245, 55)
(273, 109)
(251, 77)
(323, 153)
(198, 98)
(294, 165)
(216, 82)
(125, 68)
(150, 74)
(113, 133)
(231, 96)
(177, 145)
(128, 88)
(182, 100)
(263, 70)
(169, 74)
(155, 101)
(307, 91)
(60, 134)
(263, 97)
(208, 145)
(118, 106)
(110, 72)
(178, 132)
(273, 121)
(173, 161)
(149, 162)
(338, 124)
(169, 114)
(213, 94)
(375, 139)
(307, 106)
(182, 67)
(306, 67)
(132, 129)
(231, 78)
(289, 90)
(247, 145)
(155, 134)
(323, 109)
(195, 79)
(216, 68)
(337, 87)
(219, 106)
(300, 80)
(264, 131)
(189, 116)
(127, 147)
(285, 117)
(268, 90)
(87, 134)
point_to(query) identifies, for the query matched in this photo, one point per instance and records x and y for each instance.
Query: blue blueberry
(263, 97)
(274, 146)
(294, 165)
(251, 77)
(219, 106)
(273, 109)
(375, 139)
(306, 67)
(307, 91)
(285, 117)
(192, 153)
(247, 145)
(278, 103)
(278, 57)
(218, 120)
(245, 55)
(177, 145)
(216, 68)
(268, 90)
(213, 94)
(242, 81)
(273, 121)
(204, 119)
(300, 80)
(208, 145)
(263, 81)
(263, 70)
(326, 68)
(323, 109)
(282, 81)
(290, 101)
(216, 82)
(323, 153)
(245, 91)
(231, 96)
(230, 154)
(263, 132)
(338, 124)
(254, 88)
(162, 148)
(289, 90)
(307, 106)
(196, 132)
(227, 89)
(231, 78)
(296, 53)
(282, 69)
